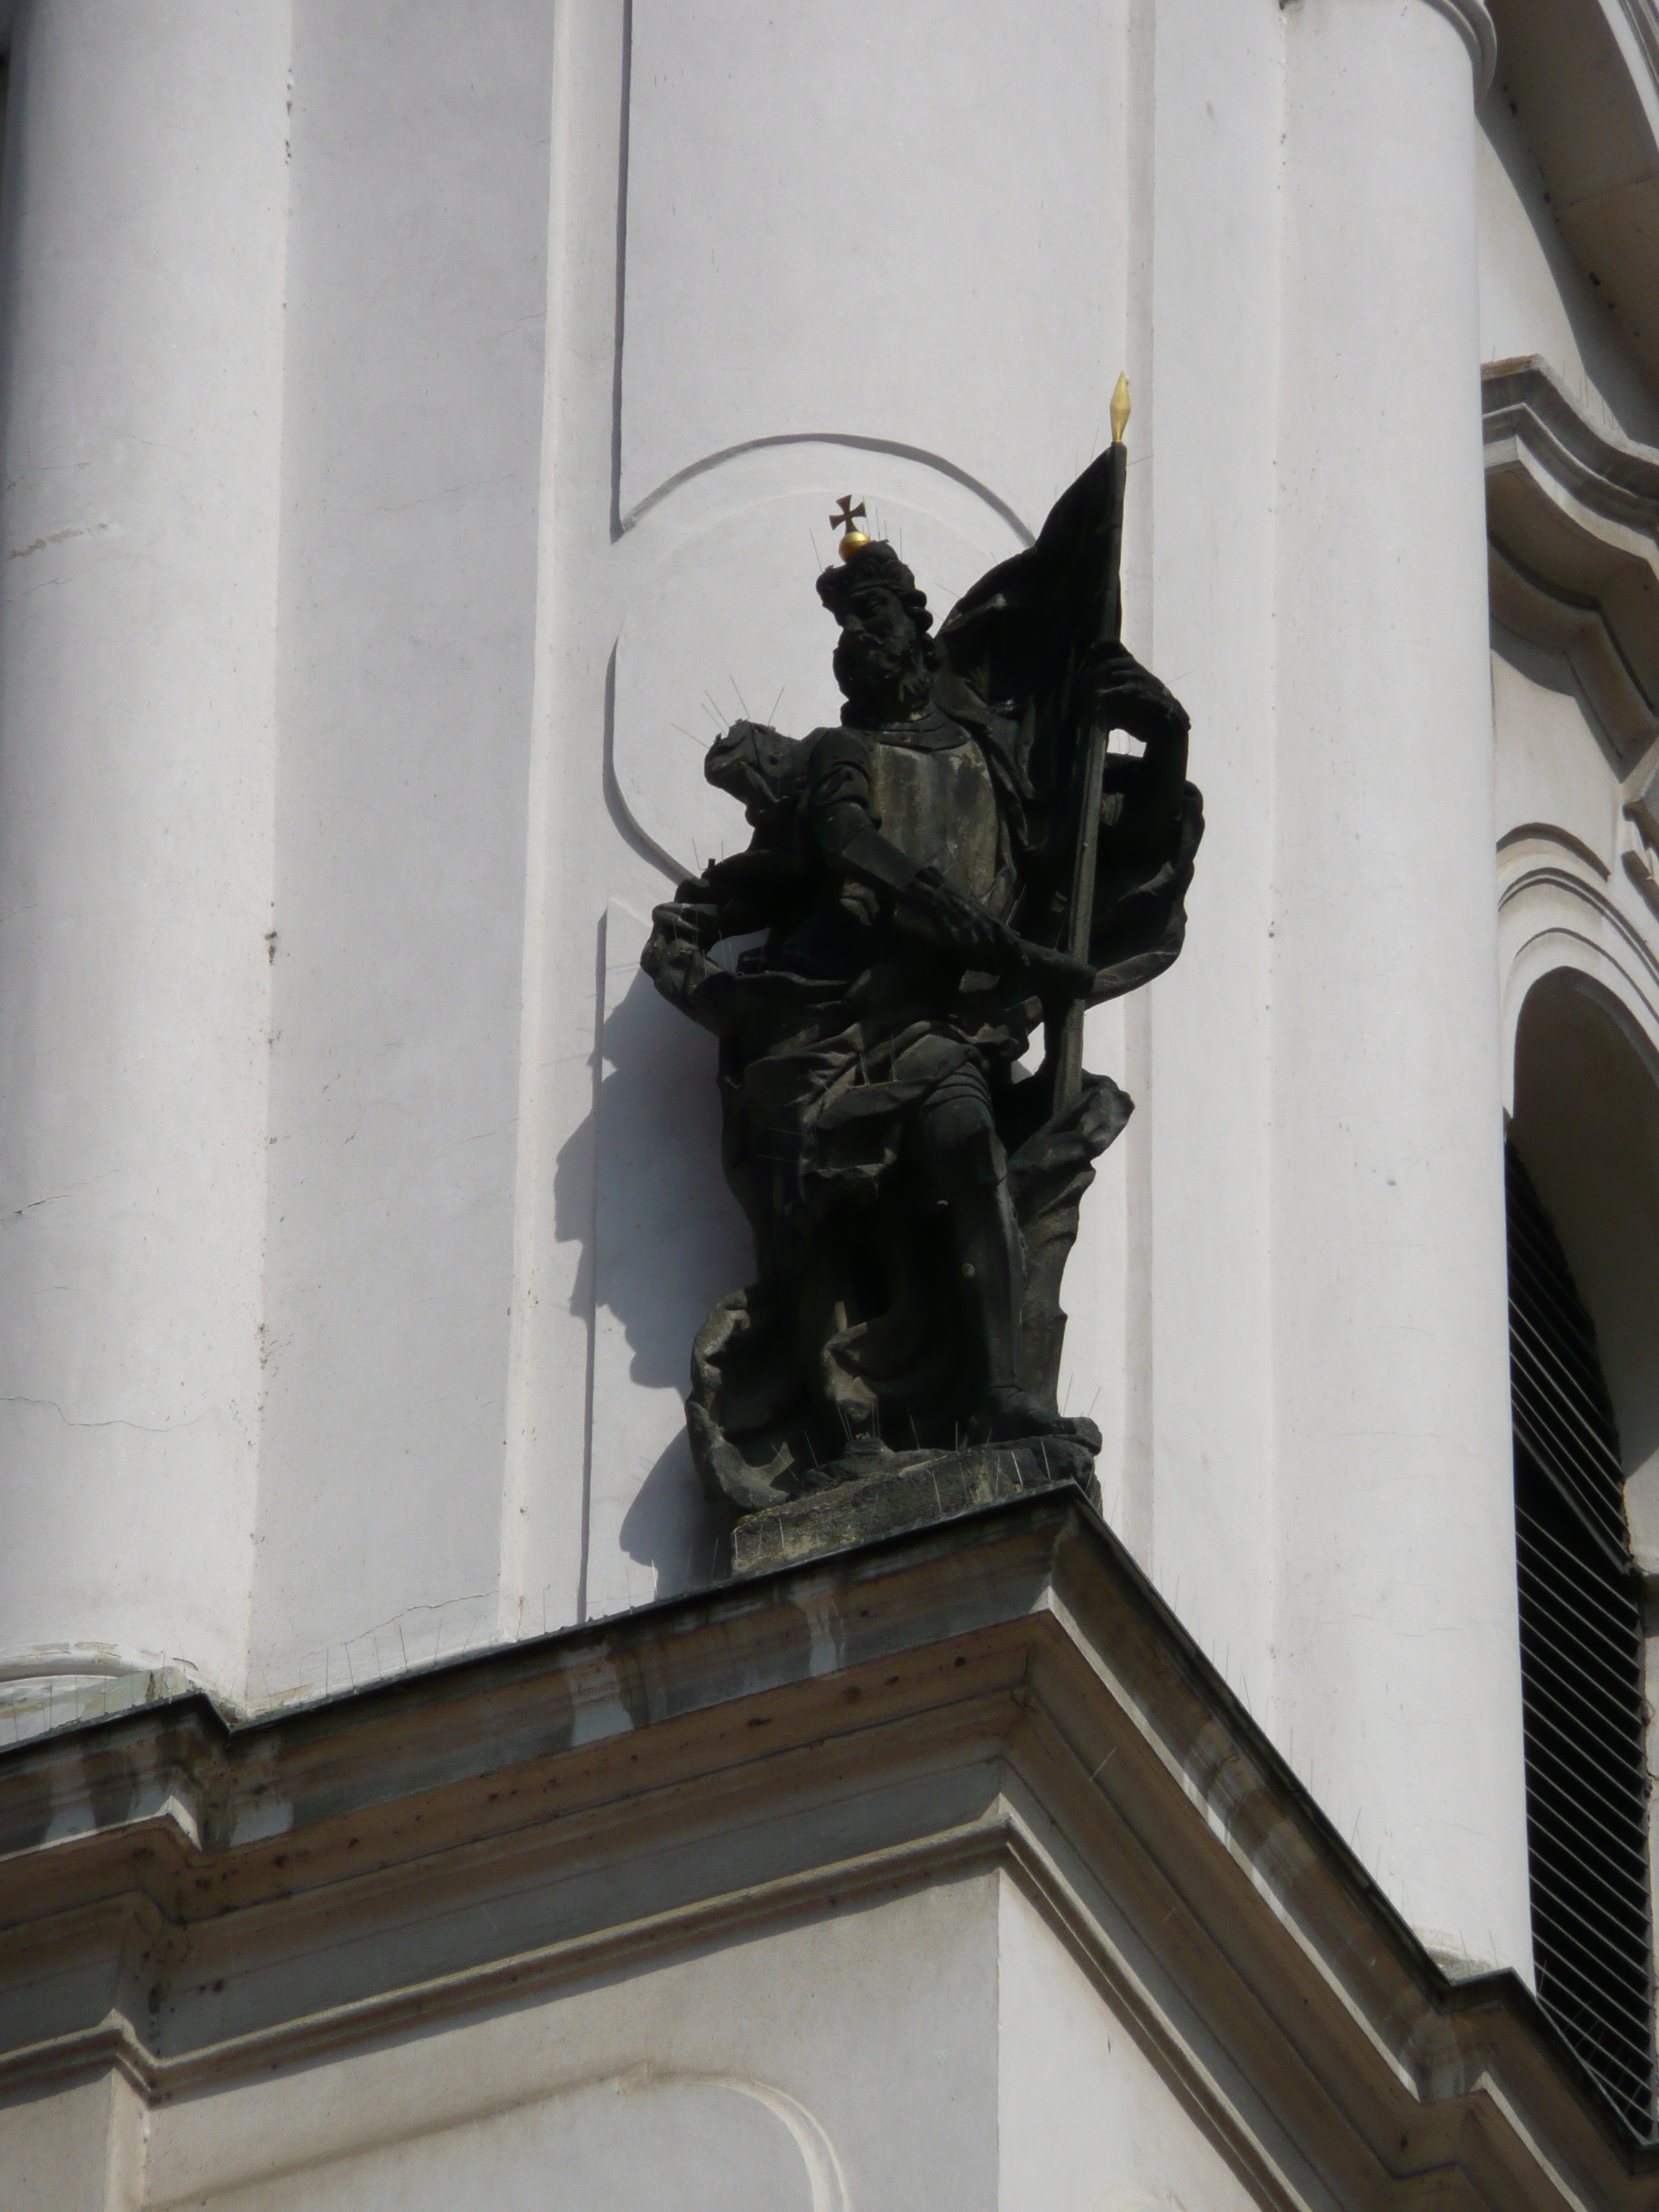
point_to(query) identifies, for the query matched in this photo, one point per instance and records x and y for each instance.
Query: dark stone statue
(875, 966)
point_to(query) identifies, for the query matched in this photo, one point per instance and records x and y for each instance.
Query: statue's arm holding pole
(926, 908)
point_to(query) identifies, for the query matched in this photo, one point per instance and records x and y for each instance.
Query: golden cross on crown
(853, 541)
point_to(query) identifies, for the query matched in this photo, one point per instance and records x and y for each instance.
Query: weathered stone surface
(906, 1490)
(953, 865)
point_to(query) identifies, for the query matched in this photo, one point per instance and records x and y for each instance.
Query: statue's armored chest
(941, 808)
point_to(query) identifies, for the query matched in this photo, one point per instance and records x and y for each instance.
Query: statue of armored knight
(960, 864)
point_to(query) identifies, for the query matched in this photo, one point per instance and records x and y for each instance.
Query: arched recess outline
(1581, 1019)
(849, 443)
(683, 635)
(1551, 918)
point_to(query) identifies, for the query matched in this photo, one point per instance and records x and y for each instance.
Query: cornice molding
(1554, 916)
(1581, 75)
(1474, 26)
(1643, 19)
(1004, 1690)
(1552, 833)
(1524, 398)
(1572, 516)
(1635, 958)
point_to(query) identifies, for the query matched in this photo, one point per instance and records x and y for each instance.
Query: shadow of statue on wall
(658, 1243)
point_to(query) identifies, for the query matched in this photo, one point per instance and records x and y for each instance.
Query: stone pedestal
(904, 1490)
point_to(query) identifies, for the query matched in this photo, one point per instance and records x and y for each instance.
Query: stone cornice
(1614, 476)
(1580, 74)
(193, 1902)
(1572, 513)
(1643, 21)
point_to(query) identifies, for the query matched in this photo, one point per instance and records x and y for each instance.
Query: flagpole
(1068, 1051)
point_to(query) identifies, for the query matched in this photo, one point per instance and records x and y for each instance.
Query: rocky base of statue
(796, 1391)
(887, 1491)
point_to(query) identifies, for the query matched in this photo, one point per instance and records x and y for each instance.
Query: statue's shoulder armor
(838, 767)
(836, 747)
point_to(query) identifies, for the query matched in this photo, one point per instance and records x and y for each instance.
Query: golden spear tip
(1120, 410)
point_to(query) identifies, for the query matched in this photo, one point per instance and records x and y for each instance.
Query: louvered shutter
(1582, 1674)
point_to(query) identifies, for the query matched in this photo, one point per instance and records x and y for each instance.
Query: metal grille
(1582, 1666)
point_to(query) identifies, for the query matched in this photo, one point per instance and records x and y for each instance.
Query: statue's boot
(1010, 1415)
(972, 1175)
(992, 1261)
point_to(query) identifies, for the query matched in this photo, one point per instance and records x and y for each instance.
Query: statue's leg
(969, 1170)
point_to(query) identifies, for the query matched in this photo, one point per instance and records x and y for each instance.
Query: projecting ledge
(902, 1490)
(1571, 511)
(197, 1905)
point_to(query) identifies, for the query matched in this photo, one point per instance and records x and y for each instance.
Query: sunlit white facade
(420, 426)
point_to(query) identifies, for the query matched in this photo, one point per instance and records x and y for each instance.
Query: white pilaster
(1199, 583)
(1398, 1696)
(145, 208)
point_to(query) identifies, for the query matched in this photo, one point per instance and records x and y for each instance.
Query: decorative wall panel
(922, 240)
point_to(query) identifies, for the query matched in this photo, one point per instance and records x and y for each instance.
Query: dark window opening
(1582, 1674)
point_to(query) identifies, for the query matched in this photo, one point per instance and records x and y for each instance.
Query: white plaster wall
(848, 2061)
(829, 251)
(1552, 767)
(613, 2145)
(875, 221)
(656, 1258)
(942, 2048)
(1535, 298)
(416, 307)
(1085, 2119)
(74, 2149)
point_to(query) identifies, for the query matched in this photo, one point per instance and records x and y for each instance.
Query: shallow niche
(678, 2145)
